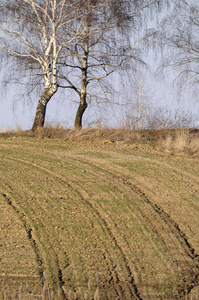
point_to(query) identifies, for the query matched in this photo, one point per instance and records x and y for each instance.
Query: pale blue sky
(62, 108)
(14, 114)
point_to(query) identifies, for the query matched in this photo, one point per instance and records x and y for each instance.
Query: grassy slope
(120, 214)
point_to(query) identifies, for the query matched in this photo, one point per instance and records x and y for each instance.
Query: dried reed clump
(46, 292)
(86, 134)
(7, 129)
(182, 141)
(176, 139)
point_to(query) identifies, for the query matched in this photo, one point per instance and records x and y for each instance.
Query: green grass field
(124, 217)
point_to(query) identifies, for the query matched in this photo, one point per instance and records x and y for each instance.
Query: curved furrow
(124, 233)
(179, 171)
(132, 286)
(36, 229)
(86, 196)
(32, 227)
(18, 259)
(124, 180)
(174, 227)
(135, 185)
(28, 230)
(190, 251)
(34, 234)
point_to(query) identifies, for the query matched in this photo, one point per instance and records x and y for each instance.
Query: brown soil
(123, 214)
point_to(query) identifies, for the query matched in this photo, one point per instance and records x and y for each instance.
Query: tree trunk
(80, 111)
(41, 107)
(84, 82)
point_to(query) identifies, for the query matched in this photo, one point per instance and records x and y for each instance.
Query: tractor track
(32, 237)
(140, 191)
(85, 196)
(111, 178)
(28, 230)
(135, 186)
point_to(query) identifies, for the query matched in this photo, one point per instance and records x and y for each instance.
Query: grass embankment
(112, 207)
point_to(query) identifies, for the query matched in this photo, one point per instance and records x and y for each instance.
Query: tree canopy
(79, 44)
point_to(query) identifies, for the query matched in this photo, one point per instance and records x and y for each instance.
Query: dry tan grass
(178, 140)
(7, 129)
(87, 134)
(184, 141)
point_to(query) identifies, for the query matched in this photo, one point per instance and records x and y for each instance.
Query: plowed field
(125, 218)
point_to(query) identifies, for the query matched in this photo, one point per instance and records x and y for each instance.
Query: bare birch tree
(137, 105)
(32, 33)
(72, 44)
(179, 36)
(104, 46)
